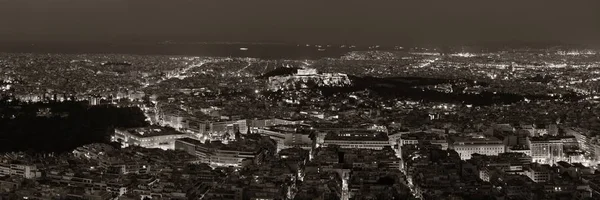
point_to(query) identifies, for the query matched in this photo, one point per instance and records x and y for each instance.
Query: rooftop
(550, 138)
(563, 164)
(237, 145)
(190, 141)
(422, 136)
(476, 140)
(291, 128)
(579, 165)
(519, 147)
(150, 131)
(360, 136)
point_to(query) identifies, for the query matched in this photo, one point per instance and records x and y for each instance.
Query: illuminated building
(546, 150)
(288, 136)
(94, 101)
(187, 144)
(583, 140)
(224, 156)
(519, 149)
(305, 77)
(465, 146)
(198, 127)
(175, 121)
(262, 123)
(357, 139)
(230, 127)
(217, 130)
(307, 71)
(148, 137)
(232, 154)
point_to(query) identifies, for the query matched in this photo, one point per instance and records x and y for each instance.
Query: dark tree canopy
(68, 126)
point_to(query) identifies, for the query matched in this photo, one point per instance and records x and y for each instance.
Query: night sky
(303, 21)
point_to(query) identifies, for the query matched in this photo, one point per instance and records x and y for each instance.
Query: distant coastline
(263, 50)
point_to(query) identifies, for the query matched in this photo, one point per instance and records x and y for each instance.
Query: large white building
(217, 129)
(466, 146)
(148, 137)
(307, 71)
(263, 123)
(288, 136)
(172, 117)
(547, 150)
(357, 139)
(218, 154)
(230, 127)
(584, 140)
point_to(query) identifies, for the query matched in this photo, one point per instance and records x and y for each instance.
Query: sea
(253, 50)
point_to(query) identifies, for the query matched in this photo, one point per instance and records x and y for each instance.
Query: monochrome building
(148, 137)
(466, 146)
(21, 170)
(357, 139)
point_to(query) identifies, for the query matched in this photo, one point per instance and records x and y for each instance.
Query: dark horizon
(165, 40)
(263, 50)
(440, 23)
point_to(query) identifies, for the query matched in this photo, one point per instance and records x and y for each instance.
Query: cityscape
(406, 123)
(299, 100)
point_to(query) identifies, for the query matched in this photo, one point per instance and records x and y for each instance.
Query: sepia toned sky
(299, 21)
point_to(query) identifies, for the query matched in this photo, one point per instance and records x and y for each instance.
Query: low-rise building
(148, 137)
(217, 153)
(466, 146)
(539, 173)
(289, 136)
(423, 137)
(28, 171)
(547, 150)
(357, 139)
